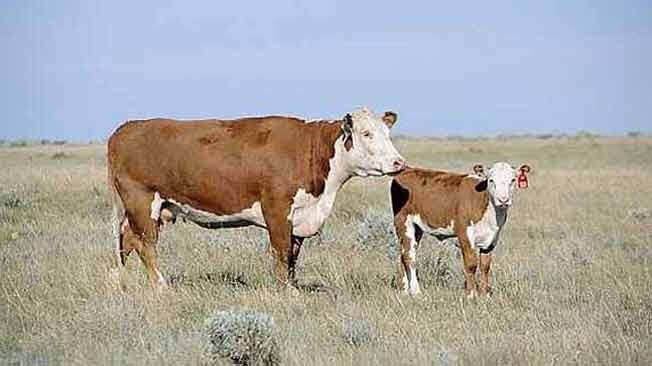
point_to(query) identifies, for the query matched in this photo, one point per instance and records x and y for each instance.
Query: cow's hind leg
(122, 241)
(142, 230)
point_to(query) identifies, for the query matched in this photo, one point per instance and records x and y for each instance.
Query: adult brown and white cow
(278, 173)
(472, 208)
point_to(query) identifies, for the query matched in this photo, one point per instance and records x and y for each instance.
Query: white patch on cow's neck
(485, 232)
(308, 212)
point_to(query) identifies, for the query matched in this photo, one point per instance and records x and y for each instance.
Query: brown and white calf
(277, 173)
(472, 208)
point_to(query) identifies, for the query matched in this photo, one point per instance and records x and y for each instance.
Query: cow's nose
(399, 164)
(503, 201)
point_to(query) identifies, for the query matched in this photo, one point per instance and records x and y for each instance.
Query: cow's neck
(340, 171)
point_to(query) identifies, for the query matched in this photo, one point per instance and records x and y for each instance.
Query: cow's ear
(525, 168)
(390, 118)
(478, 169)
(481, 186)
(347, 125)
(347, 132)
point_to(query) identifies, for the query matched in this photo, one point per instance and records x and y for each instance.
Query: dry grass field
(572, 273)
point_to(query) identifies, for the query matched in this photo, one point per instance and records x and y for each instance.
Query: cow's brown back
(222, 166)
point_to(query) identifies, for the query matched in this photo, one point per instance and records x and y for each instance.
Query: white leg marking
(161, 282)
(411, 273)
(156, 206)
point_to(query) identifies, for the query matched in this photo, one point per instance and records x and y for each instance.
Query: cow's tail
(117, 219)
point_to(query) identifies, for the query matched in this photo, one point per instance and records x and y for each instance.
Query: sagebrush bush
(245, 337)
(11, 199)
(376, 231)
(436, 269)
(357, 332)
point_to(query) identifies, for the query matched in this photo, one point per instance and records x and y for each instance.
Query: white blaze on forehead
(364, 119)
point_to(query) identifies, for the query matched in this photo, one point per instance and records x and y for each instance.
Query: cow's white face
(369, 148)
(501, 180)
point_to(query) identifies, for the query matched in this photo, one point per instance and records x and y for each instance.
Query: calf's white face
(370, 150)
(501, 180)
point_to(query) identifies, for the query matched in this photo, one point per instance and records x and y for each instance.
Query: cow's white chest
(308, 212)
(484, 232)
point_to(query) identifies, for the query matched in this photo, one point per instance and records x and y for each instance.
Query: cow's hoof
(471, 294)
(292, 291)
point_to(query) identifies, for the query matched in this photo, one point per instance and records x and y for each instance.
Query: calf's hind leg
(408, 237)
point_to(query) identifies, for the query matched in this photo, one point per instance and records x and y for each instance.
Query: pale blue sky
(77, 69)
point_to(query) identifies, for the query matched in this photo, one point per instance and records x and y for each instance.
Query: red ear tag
(522, 180)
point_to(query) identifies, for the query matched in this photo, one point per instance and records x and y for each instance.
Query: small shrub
(59, 142)
(245, 337)
(634, 133)
(585, 134)
(358, 332)
(11, 200)
(45, 142)
(545, 136)
(18, 143)
(446, 356)
(377, 230)
(435, 270)
(60, 155)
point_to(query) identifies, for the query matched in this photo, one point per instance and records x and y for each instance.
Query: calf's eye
(366, 134)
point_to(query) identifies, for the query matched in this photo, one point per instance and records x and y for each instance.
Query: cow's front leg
(485, 266)
(294, 257)
(279, 227)
(470, 263)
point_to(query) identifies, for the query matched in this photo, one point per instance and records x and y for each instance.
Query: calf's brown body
(448, 203)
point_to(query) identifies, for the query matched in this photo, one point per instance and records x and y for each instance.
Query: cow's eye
(366, 134)
(491, 181)
(513, 180)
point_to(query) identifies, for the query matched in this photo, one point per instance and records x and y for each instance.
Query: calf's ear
(390, 118)
(525, 168)
(478, 169)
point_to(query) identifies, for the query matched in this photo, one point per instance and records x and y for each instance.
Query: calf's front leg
(470, 259)
(485, 280)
